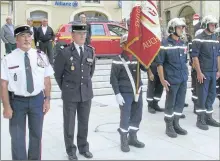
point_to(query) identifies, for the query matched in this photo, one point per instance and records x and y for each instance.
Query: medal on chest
(72, 66)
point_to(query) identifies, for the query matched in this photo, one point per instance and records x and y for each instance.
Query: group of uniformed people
(25, 87)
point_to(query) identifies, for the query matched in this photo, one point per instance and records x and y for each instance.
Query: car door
(99, 39)
(116, 32)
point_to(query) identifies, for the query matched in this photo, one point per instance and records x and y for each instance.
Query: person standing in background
(7, 35)
(88, 28)
(34, 32)
(45, 38)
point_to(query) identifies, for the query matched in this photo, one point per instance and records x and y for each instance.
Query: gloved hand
(120, 99)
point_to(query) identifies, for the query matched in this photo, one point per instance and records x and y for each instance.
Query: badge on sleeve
(89, 60)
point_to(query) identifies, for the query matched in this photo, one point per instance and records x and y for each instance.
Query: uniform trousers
(206, 92)
(33, 108)
(154, 89)
(131, 112)
(175, 99)
(69, 114)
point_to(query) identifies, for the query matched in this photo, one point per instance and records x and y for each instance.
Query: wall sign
(67, 3)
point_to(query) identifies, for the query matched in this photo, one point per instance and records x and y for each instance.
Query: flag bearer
(173, 75)
(123, 79)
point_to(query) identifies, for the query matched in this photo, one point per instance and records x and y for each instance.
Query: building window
(92, 16)
(92, 1)
(167, 16)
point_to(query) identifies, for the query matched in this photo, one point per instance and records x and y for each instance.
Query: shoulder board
(91, 47)
(40, 52)
(63, 46)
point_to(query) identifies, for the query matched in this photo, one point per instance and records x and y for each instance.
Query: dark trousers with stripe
(175, 99)
(194, 89)
(218, 88)
(69, 114)
(131, 111)
(33, 108)
(206, 92)
(154, 89)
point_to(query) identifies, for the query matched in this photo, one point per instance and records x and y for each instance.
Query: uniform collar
(170, 39)
(77, 46)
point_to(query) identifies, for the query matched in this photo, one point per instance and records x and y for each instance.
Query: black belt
(12, 95)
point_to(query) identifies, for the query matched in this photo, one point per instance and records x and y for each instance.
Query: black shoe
(72, 157)
(186, 104)
(201, 121)
(169, 127)
(177, 127)
(151, 110)
(87, 154)
(157, 107)
(210, 121)
(124, 141)
(133, 140)
(183, 116)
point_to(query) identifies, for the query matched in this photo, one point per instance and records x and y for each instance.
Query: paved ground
(198, 144)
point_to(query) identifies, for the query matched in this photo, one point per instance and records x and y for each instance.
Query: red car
(105, 37)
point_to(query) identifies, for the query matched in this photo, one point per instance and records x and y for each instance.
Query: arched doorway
(37, 16)
(187, 12)
(92, 15)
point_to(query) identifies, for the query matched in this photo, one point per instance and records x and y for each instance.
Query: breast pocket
(172, 55)
(15, 75)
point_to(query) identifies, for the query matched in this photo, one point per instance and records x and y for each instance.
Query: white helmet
(207, 20)
(199, 32)
(172, 24)
(123, 39)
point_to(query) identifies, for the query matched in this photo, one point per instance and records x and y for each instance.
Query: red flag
(144, 33)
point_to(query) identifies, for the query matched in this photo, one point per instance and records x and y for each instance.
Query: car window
(97, 30)
(116, 30)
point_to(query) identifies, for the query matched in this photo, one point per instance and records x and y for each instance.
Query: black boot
(201, 121)
(150, 108)
(169, 127)
(177, 127)
(210, 121)
(186, 104)
(132, 139)
(183, 116)
(157, 107)
(124, 141)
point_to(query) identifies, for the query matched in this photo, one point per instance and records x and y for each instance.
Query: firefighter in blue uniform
(206, 55)
(25, 82)
(154, 89)
(74, 67)
(123, 80)
(217, 32)
(173, 75)
(193, 74)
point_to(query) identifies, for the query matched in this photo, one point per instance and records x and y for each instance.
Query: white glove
(120, 99)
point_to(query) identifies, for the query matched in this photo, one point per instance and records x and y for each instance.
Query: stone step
(101, 91)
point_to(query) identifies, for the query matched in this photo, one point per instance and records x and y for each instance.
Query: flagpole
(138, 80)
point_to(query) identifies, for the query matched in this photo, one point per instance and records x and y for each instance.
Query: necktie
(81, 50)
(29, 77)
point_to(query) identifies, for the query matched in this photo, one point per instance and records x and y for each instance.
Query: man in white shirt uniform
(25, 91)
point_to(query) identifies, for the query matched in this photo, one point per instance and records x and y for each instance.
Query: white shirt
(44, 28)
(13, 71)
(32, 30)
(78, 49)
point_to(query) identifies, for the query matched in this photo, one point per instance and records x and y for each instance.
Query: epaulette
(63, 46)
(91, 47)
(40, 52)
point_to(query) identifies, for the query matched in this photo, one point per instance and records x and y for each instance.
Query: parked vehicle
(105, 37)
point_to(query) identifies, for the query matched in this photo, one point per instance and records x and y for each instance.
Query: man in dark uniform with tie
(25, 82)
(74, 67)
